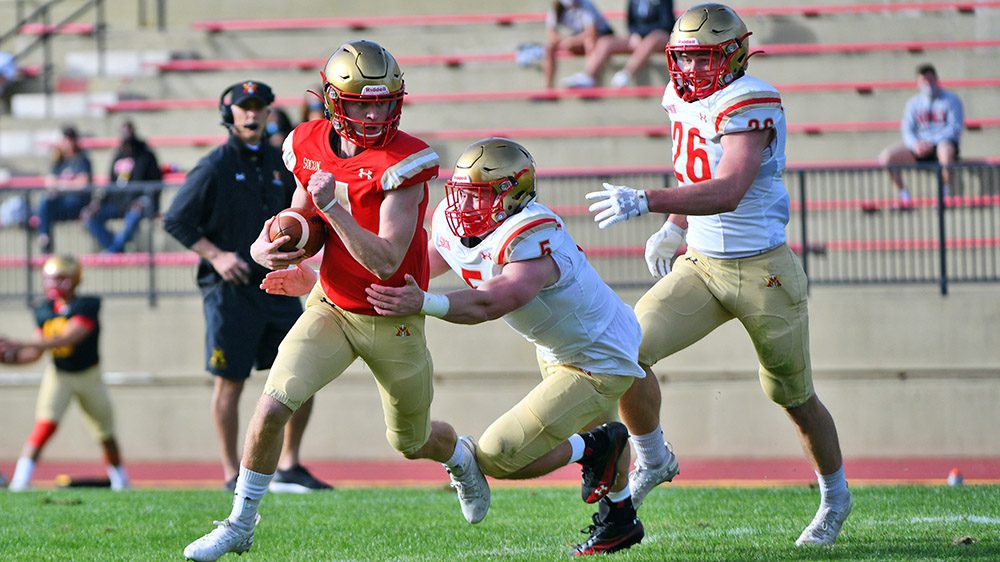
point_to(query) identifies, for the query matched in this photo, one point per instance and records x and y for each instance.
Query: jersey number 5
(690, 157)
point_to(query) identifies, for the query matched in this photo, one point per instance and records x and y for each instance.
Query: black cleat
(296, 480)
(600, 465)
(607, 537)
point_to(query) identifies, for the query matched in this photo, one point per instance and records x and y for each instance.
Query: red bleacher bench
(653, 131)
(73, 28)
(553, 95)
(362, 23)
(459, 59)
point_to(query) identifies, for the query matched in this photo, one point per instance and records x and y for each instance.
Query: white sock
(649, 448)
(118, 477)
(832, 488)
(576, 442)
(250, 489)
(22, 473)
(620, 496)
(458, 457)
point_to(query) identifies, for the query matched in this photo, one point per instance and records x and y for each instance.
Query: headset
(226, 109)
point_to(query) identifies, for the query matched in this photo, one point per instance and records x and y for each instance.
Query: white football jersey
(578, 320)
(748, 104)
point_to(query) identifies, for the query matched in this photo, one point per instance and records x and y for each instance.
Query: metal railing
(846, 224)
(42, 14)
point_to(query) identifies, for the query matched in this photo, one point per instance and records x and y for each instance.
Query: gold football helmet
(712, 28)
(60, 276)
(363, 72)
(493, 179)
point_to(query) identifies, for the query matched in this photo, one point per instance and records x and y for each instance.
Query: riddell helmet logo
(688, 41)
(461, 178)
(375, 90)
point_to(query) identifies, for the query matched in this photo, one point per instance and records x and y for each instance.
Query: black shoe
(230, 484)
(296, 480)
(606, 444)
(607, 537)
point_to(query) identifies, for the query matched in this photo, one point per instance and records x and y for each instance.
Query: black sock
(616, 512)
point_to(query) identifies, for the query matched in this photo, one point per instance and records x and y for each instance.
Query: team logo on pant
(773, 280)
(402, 331)
(218, 360)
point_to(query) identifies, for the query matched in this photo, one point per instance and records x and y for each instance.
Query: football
(305, 226)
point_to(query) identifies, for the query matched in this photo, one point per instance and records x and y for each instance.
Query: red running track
(694, 472)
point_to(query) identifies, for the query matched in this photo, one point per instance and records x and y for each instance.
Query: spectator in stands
(931, 127)
(584, 25)
(68, 186)
(312, 105)
(278, 127)
(217, 214)
(649, 25)
(733, 206)
(68, 329)
(129, 194)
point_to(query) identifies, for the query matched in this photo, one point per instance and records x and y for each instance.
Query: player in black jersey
(68, 328)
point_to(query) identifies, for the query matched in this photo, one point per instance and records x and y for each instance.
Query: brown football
(305, 226)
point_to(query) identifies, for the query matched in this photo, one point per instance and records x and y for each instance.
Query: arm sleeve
(188, 211)
(955, 120)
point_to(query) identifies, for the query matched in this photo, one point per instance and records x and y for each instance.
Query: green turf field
(525, 523)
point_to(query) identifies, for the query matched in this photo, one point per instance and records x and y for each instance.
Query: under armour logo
(363, 173)
(773, 280)
(402, 331)
(487, 256)
(241, 177)
(442, 242)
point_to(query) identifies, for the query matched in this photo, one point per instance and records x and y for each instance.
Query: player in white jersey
(728, 132)
(522, 265)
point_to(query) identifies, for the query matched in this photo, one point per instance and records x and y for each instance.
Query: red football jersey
(361, 185)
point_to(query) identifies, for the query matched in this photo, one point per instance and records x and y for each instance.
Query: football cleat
(607, 537)
(826, 525)
(643, 479)
(472, 487)
(296, 480)
(224, 538)
(600, 467)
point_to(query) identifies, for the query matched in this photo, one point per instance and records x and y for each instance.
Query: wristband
(328, 206)
(435, 305)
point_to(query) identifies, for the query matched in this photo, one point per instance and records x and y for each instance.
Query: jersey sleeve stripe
(742, 103)
(523, 231)
(408, 168)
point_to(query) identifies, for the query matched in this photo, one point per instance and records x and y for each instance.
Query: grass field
(525, 523)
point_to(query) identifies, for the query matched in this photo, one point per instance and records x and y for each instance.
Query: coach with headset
(218, 213)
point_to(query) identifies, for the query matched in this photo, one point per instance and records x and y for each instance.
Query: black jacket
(226, 198)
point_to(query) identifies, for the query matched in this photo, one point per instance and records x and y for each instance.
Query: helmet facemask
(700, 83)
(475, 208)
(494, 178)
(711, 30)
(60, 276)
(362, 72)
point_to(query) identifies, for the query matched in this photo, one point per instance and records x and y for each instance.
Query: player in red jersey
(369, 180)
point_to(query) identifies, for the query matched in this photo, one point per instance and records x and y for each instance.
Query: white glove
(616, 204)
(661, 247)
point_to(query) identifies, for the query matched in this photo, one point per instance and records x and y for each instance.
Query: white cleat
(643, 479)
(826, 525)
(224, 538)
(468, 480)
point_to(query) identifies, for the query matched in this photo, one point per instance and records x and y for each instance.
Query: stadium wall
(905, 371)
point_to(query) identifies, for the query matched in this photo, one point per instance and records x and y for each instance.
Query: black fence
(847, 225)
